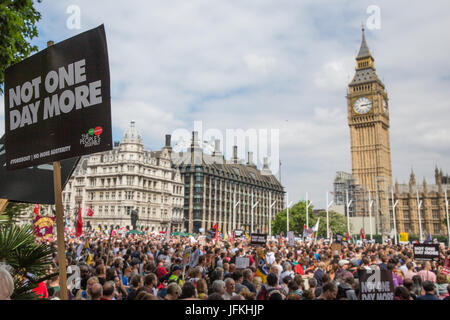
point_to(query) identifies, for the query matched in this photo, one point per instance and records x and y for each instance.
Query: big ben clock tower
(368, 119)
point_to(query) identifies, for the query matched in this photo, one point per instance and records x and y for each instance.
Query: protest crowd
(152, 267)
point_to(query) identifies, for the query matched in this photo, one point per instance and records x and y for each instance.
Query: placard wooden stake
(60, 230)
(3, 204)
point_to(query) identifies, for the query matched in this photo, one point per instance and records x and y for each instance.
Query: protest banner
(336, 247)
(43, 226)
(376, 284)
(258, 239)
(427, 252)
(239, 233)
(446, 267)
(242, 262)
(403, 237)
(291, 238)
(33, 184)
(58, 102)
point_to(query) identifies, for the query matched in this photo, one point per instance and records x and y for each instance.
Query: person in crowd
(429, 288)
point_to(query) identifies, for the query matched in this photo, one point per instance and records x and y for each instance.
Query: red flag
(89, 212)
(36, 209)
(363, 236)
(79, 223)
(215, 227)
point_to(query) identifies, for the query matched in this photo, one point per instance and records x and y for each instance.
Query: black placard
(239, 233)
(34, 184)
(376, 285)
(258, 239)
(424, 251)
(58, 102)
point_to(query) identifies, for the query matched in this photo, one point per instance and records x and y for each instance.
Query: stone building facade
(233, 194)
(433, 210)
(115, 182)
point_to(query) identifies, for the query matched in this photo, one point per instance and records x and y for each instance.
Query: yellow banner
(403, 236)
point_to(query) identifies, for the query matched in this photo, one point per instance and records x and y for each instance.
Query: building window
(406, 215)
(435, 214)
(434, 202)
(437, 228)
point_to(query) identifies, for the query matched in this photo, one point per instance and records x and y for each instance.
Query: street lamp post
(349, 203)
(370, 217)
(394, 204)
(328, 223)
(446, 211)
(253, 206)
(270, 215)
(419, 205)
(308, 204)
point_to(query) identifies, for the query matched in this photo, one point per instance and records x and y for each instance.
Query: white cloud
(332, 76)
(259, 64)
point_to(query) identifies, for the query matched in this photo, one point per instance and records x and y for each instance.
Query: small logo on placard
(92, 138)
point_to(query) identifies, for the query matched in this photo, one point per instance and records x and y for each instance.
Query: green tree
(16, 212)
(18, 20)
(297, 219)
(28, 261)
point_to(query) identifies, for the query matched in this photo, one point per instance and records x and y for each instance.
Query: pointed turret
(364, 51)
(412, 181)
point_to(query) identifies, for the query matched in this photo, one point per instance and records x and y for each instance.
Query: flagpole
(307, 214)
(370, 217)
(446, 211)
(328, 207)
(419, 204)
(394, 204)
(270, 216)
(348, 211)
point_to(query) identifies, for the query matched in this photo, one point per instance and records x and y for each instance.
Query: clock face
(363, 105)
(385, 106)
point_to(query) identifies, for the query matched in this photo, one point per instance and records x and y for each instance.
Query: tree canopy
(18, 20)
(297, 220)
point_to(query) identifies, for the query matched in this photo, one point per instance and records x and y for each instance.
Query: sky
(280, 65)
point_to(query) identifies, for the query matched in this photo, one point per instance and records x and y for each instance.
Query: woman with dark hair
(417, 286)
(188, 292)
(401, 293)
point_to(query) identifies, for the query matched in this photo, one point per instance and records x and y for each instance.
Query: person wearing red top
(41, 290)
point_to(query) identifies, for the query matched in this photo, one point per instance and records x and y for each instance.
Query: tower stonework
(368, 119)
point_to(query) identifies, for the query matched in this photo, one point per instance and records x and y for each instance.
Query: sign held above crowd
(58, 102)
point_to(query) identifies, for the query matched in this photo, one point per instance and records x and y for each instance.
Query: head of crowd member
(329, 291)
(198, 272)
(428, 287)
(344, 264)
(188, 291)
(173, 291)
(6, 284)
(257, 282)
(215, 296)
(96, 291)
(150, 280)
(218, 286)
(247, 294)
(226, 267)
(272, 279)
(108, 290)
(144, 295)
(90, 283)
(230, 286)
(275, 295)
(401, 293)
(136, 281)
(247, 275)
(238, 276)
(202, 288)
(111, 273)
(312, 282)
